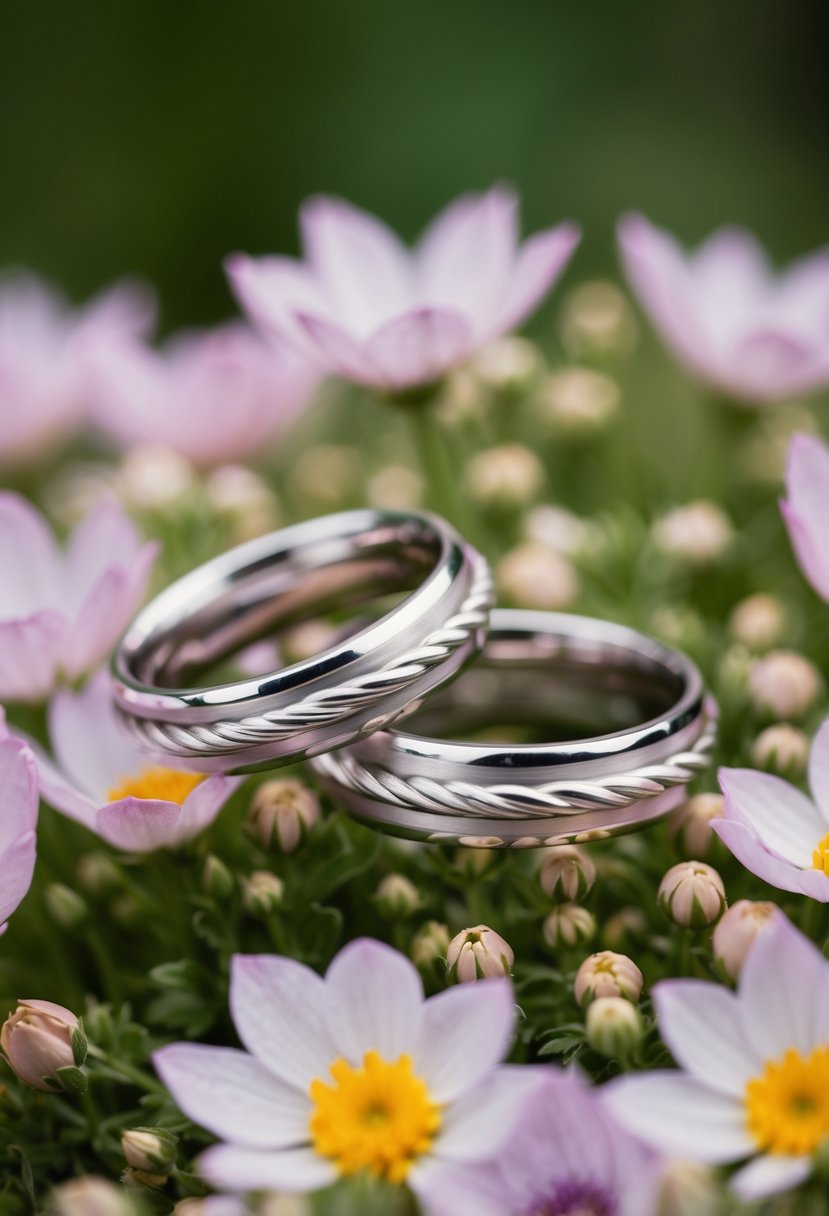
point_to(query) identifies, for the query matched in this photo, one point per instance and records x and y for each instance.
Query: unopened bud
(216, 879)
(430, 945)
(395, 487)
(326, 475)
(506, 477)
(558, 529)
(566, 873)
(397, 897)
(66, 907)
(284, 1205)
(691, 894)
(90, 1196)
(477, 954)
(150, 1149)
(689, 1188)
(698, 533)
(737, 931)
(690, 823)
(262, 893)
(568, 925)
(758, 621)
(622, 925)
(782, 748)
(614, 1027)
(578, 401)
(508, 365)
(597, 320)
(245, 499)
(99, 874)
(535, 576)
(784, 684)
(40, 1040)
(607, 974)
(282, 812)
(143, 1180)
(153, 478)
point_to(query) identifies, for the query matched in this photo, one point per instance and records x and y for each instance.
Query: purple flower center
(575, 1197)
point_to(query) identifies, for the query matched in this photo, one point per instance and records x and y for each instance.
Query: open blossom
(18, 783)
(755, 1067)
(775, 830)
(735, 324)
(44, 359)
(62, 612)
(214, 397)
(99, 778)
(370, 310)
(806, 507)
(567, 1157)
(351, 1073)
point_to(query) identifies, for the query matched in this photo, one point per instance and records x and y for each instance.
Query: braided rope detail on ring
(327, 705)
(515, 801)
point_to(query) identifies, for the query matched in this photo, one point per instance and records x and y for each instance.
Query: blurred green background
(156, 137)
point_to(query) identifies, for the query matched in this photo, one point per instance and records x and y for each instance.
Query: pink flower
(44, 351)
(425, 1073)
(368, 309)
(61, 613)
(755, 1067)
(215, 397)
(735, 324)
(18, 782)
(38, 1039)
(807, 508)
(775, 830)
(100, 779)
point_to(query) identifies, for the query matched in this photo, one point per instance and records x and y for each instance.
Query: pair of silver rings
(604, 726)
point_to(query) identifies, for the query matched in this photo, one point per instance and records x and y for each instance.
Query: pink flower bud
(690, 824)
(568, 925)
(784, 684)
(40, 1038)
(782, 748)
(477, 954)
(607, 974)
(91, 1196)
(691, 894)
(736, 932)
(566, 873)
(283, 812)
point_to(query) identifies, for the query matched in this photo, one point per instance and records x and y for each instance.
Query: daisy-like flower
(806, 507)
(352, 1073)
(214, 397)
(100, 779)
(734, 324)
(566, 1157)
(62, 612)
(18, 782)
(775, 830)
(368, 309)
(755, 1079)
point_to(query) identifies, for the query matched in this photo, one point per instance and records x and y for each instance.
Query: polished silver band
(275, 581)
(570, 676)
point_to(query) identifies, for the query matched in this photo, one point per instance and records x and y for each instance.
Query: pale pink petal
(819, 770)
(540, 262)
(700, 1022)
(18, 790)
(291, 1170)
(806, 509)
(30, 562)
(747, 847)
(784, 992)
(58, 791)
(418, 347)
(203, 803)
(447, 1189)
(88, 741)
(337, 351)
(139, 825)
(375, 1001)
(17, 866)
(680, 1116)
(279, 1010)
(229, 1093)
(768, 1175)
(274, 292)
(29, 653)
(102, 618)
(766, 365)
(465, 1032)
(786, 820)
(105, 537)
(482, 1118)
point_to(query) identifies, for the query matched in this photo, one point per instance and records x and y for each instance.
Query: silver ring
(358, 686)
(569, 675)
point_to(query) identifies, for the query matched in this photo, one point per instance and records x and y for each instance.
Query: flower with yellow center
(787, 1106)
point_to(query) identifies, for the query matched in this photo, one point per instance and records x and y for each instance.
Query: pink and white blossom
(806, 508)
(736, 325)
(18, 820)
(370, 310)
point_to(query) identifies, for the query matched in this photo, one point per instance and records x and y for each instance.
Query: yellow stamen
(820, 857)
(787, 1108)
(166, 784)
(378, 1118)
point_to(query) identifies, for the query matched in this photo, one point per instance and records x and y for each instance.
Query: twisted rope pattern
(515, 801)
(327, 705)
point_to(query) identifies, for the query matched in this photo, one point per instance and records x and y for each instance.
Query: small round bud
(90, 1196)
(508, 365)
(614, 1027)
(461, 399)
(149, 1149)
(690, 824)
(395, 487)
(39, 1041)
(607, 974)
(505, 478)
(568, 925)
(244, 498)
(397, 897)
(275, 1204)
(473, 860)
(689, 1188)
(152, 477)
(566, 873)
(478, 953)
(698, 533)
(66, 907)
(431, 944)
(578, 401)
(558, 529)
(759, 621)
(99, 874)
(737, 931)
(784, 684)
(535, 576)
(623, 925)
(597, 320)
(326, 475)
(782, 748)
(691, 894)
(216, 879)
(262, 893)
(282, 812)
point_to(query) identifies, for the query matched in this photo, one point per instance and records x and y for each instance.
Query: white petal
(29, 559)
(88, 742)
(246, 1169)
(465, 1032)
(375, 1001)
(701, 1024)
(769, 1175)
(786, 820)
(446, 1189)
(784, 992)
(484, 1117)
(819, 770)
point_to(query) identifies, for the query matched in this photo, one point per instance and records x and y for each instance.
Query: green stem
(442, 482)
(127, 1072)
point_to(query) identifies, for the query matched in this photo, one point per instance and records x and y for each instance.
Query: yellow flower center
(166, 784)
(787, 1108)
(378, 1118)
(820, 857)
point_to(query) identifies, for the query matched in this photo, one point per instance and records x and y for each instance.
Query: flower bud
(691, 894)
(614, 1027)
(142, 1180)
(477, 954)
(597, 320)
(326, 475)
(566, 873)
(508, 365)
(149, 1149)
(737, 931)
(282, 812)
(782, 748)
(99, 874)
(430, 945)
(558, 529)
(152, 477)
(690, 823)
(568, 925)
(397, 897)
(66, 907)
(395, 487)
(607, 974)
(535, 576)
(216, 879)
(688, 1188)
(698, 533)
(262, 893)
(41, 1038)
(245, 499)
(578, 401)
(759, 621)
(90, 1196)
(784, 684)
(274, 1204)
(506, 477)
(622, 925)
(472, 861)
